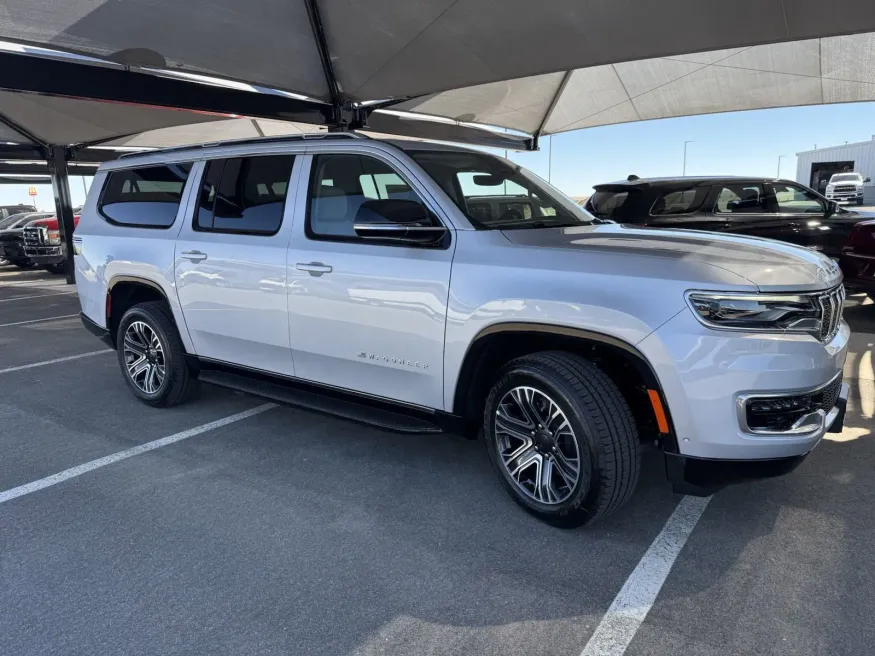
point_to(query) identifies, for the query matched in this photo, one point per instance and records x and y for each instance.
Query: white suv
(352, 275)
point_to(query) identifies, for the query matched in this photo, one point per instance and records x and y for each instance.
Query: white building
(814, 167)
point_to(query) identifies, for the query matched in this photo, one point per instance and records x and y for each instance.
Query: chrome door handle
(314, 268)
(194, 256)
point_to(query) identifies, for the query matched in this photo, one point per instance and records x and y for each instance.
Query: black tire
(57, 269)
(180, 382)
(608, 445)
(860, 201)
(23, 264)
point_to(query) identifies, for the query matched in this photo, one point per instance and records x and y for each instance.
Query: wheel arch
(125, 291)
(499, 343)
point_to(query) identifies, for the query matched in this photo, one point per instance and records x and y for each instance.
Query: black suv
(777, 209)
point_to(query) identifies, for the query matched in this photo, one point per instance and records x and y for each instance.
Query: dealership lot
(288, 532)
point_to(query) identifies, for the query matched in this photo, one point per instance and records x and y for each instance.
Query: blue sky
(741, 143)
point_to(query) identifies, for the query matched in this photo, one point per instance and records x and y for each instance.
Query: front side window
(341, 184)
(741, 199)
(146, 197)
(796, 200)
(245, 195)
(495, 195)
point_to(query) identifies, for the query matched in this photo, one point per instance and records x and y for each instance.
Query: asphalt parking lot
(268, 530)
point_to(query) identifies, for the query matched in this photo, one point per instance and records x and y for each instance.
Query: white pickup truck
(846, 188)
(353, 276)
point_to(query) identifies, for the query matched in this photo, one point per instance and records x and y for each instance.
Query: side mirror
(397, 220)
(831, 207)
(867, 180)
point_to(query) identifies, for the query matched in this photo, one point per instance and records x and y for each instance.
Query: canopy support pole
(57, 161)
(338, 121)
(564, 83)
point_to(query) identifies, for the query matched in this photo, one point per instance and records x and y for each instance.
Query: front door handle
(313, 268)
(194, 256)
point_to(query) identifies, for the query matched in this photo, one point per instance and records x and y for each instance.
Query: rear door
(231, 261)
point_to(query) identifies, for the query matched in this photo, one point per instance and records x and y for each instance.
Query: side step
(290, 395)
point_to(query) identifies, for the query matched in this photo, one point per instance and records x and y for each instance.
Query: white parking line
(22, 298)
(631, 605)
(67, 474)
(21, 323)
(45, 362)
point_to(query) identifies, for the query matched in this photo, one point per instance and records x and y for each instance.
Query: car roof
(677, 182)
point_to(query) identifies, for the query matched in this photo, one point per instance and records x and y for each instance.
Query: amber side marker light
(658, 410)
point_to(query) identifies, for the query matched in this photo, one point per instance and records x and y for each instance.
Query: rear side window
(607, 204)
(741, 199)
(679, 201)
(146, 197)
(244, 195)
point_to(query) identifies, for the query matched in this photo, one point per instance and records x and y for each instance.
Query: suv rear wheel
(152, 356)
(562, 438)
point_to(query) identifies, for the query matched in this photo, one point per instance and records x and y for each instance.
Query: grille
(827, 397)
(846, 188)
(831, 305)
(33, 236)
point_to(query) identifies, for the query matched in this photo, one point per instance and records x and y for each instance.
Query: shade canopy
(536, 67)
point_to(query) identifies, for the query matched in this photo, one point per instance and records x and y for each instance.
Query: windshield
(846, 177)
(497, 195)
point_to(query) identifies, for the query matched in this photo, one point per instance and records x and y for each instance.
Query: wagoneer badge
(413, 364)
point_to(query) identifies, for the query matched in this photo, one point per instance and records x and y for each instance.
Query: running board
(289, 395)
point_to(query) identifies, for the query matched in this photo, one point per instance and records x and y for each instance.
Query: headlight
(830, 187)
(53, 236)
(757, 312)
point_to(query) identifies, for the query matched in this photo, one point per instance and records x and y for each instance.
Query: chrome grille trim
(831, 307)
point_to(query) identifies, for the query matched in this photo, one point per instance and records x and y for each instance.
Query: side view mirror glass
(397, 220)
(867, 180)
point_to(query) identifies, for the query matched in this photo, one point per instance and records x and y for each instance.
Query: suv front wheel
(152, 356)
(562, 438)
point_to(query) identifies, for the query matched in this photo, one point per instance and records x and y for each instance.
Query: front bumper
(705, 373)
(44, 254)
(845, 196)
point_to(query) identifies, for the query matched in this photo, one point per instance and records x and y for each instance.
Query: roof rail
(250, 140)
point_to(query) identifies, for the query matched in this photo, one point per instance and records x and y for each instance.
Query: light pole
(685, 156)
(550, 161)
(780, 157)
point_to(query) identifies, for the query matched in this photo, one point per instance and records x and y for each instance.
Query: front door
(747, 210)
(814, 227)
(231, 262)
(366, 315)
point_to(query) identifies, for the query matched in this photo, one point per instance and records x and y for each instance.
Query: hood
(770, 265)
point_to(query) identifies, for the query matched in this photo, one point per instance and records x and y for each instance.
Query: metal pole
(685, 156)
(550, 161)
(780, 157)
(84, 186)
(57, 161)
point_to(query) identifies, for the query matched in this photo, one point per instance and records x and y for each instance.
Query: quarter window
(244, 194)
(741, 199)
(146, 197)
(340, 184)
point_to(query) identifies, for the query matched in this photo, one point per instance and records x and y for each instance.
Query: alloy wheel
(537, 445)
(144, 357)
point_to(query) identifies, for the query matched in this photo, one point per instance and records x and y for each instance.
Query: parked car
(846, 188)
(43, 246)
(776, 209)
(858, 259)
(9, 210)
(12, 239)
(350, 275)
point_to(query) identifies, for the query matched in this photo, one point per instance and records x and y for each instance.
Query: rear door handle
(313, 268)
(194, 256)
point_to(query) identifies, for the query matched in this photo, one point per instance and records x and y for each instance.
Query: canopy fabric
(536, 67)
(393, 49)
(216, 130)
(58, 120)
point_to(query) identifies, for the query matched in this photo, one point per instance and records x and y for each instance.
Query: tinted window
(244, 194)
(607, 204)
(146, 197)
(679, 201)
(340, 184)
(741, 199)
(796, 200)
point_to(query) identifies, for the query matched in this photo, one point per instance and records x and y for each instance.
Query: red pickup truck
(42, 244)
